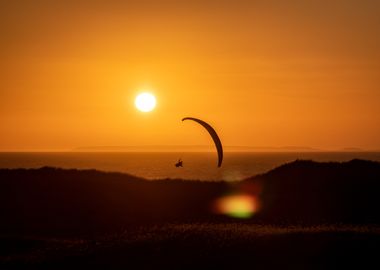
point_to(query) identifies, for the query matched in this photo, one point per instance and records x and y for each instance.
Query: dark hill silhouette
(51, 200)
(313, 192)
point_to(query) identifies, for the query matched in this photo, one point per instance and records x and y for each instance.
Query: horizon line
(190, 148)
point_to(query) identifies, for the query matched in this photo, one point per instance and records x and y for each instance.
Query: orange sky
(264, 73)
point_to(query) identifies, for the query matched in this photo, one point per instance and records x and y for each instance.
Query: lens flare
(237, 206)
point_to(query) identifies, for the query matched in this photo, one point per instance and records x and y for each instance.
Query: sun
(145, 102)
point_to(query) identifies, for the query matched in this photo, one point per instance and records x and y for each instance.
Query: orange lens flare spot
(237, 206)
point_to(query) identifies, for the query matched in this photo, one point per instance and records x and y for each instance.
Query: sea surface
(201, 166)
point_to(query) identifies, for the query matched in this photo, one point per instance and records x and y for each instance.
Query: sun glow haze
(145, 102)
(264, 73)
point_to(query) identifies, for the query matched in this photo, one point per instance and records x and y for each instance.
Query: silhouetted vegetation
(61, 218)
(200, 246)
(71, 201)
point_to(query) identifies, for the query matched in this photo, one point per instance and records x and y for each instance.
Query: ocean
(200, 166)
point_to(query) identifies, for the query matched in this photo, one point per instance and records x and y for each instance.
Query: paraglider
(214, 136)
(179, 163)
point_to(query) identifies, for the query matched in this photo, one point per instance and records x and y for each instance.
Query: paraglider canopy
(214, 136)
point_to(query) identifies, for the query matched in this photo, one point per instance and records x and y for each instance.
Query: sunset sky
(263, 73)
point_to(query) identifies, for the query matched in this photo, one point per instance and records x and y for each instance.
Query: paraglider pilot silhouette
(214, 136)
(179, 163)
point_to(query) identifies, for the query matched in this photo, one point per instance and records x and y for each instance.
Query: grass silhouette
(312, 215)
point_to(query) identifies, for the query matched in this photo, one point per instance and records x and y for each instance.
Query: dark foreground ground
(197, 246)
(309, 215)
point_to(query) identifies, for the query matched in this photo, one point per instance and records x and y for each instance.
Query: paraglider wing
(214, 136)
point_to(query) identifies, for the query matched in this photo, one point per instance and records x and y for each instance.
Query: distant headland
(209, 148)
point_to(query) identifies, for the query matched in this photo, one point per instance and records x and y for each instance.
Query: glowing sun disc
(145, 102)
